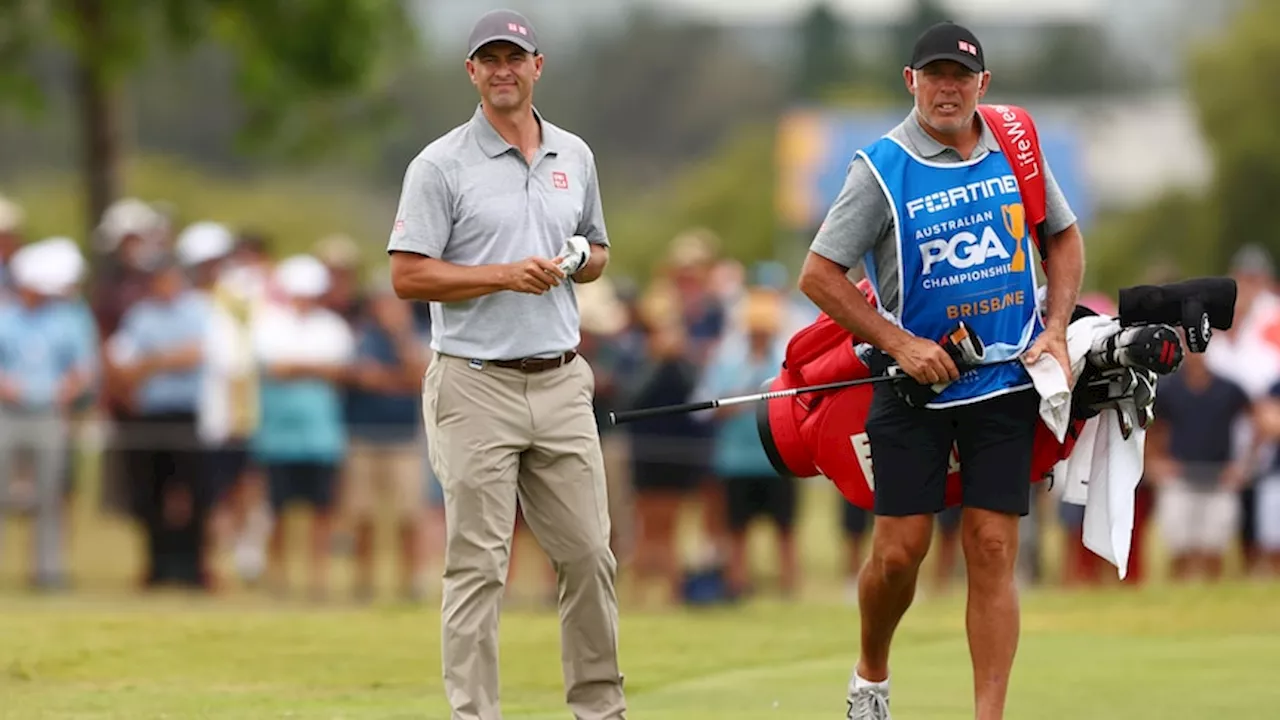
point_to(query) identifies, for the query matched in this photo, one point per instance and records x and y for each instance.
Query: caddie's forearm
(595, 265)
(1064, 271)
(418, 277)
(825, 283)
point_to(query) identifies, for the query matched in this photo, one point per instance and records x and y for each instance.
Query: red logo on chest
(560, 180)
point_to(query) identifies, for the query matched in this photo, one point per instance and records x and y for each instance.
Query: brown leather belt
(533, 364)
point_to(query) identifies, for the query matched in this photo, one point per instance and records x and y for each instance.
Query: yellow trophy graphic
(1015, 221)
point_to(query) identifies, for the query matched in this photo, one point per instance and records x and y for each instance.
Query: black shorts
(772, 496)
(309, 483)
(911, 448)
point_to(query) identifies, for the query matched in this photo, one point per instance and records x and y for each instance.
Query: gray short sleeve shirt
(860, 221)
(470, 198)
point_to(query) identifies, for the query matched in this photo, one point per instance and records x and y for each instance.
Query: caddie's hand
(925, 361)
(1053, 342)
(534, 275)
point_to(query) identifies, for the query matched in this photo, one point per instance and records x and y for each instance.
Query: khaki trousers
(495, 435)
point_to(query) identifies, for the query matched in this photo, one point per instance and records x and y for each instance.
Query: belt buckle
(524, 364)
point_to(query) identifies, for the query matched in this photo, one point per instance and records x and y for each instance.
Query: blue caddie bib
(964, 253)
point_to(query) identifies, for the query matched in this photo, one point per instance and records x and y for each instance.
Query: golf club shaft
(616, 418)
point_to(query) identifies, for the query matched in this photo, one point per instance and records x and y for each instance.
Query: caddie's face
(504, 73)
(946, 93)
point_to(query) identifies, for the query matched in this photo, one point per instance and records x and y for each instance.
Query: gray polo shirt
(470, 198)
(861, 218)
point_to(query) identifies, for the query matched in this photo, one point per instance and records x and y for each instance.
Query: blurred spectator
(854, 525)
(1249, 355)
(385, 414)
(223, 415)
(752, 486)
(341, 257)
(157, 355)
(48, 361)
(78, 315)
(11, 219)
(665, 462)
(1267, 519)
(127, 237)
(690, 269)
(242, 290)
(1198, 479)
(945, 569)
(131, 238)
(614, 346)
(305, 351)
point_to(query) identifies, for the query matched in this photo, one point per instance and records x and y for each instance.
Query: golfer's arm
(826, 284)
(1064, 272)
(418, 277)
(595, 265)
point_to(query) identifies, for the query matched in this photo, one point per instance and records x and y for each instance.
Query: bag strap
(1016, 132)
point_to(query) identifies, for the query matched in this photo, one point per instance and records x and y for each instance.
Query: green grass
(1157, 652)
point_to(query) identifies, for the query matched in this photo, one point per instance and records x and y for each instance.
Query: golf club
(616, 418)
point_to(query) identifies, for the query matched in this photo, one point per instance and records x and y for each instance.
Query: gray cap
(506, 25)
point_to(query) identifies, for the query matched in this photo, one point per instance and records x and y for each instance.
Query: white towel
(1103, 470)
(1053, 386)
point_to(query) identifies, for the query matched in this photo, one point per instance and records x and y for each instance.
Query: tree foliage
(824, 61)
(1238, 102)
(300, 65)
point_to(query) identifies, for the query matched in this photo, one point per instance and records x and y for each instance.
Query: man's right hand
(925, 361)
(533, 275)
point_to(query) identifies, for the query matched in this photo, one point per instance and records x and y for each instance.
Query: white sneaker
(868, 700)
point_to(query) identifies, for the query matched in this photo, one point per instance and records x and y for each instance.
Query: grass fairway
(1156, 653)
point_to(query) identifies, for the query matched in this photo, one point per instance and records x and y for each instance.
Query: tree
(1074, 59)
(824, 61)
(300, 65)
(1238, 102)
(730, 192)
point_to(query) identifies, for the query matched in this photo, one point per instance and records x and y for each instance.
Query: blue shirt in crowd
(39, 346)
(151, 327)
(738, 451)
(383, 417)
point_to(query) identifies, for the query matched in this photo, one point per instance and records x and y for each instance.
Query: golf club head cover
(574, 254)
(1156, 348)
(1196, 305)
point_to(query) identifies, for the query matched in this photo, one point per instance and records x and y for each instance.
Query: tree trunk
(98, 103)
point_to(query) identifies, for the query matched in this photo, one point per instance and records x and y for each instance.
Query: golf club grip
(642, 413)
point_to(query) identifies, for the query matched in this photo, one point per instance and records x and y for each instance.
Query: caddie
(933, 211)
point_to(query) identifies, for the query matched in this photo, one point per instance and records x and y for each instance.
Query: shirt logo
(560, 180)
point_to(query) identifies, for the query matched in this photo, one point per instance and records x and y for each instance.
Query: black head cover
(1196, 305)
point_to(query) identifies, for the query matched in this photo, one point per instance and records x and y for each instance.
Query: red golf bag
(823, 433)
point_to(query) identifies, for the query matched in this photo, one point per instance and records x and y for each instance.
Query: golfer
(933, 212)
(498, 219)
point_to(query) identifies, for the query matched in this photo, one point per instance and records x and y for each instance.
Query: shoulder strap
(1016, 132)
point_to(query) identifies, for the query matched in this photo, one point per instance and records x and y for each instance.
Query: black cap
(948, 41)
(507, 25)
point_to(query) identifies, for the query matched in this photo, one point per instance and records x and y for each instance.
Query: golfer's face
(504, 73)
(947, 94)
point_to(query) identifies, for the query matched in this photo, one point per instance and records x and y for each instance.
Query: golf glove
(574, 254)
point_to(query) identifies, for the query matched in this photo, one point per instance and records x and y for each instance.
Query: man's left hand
(1053, 342)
